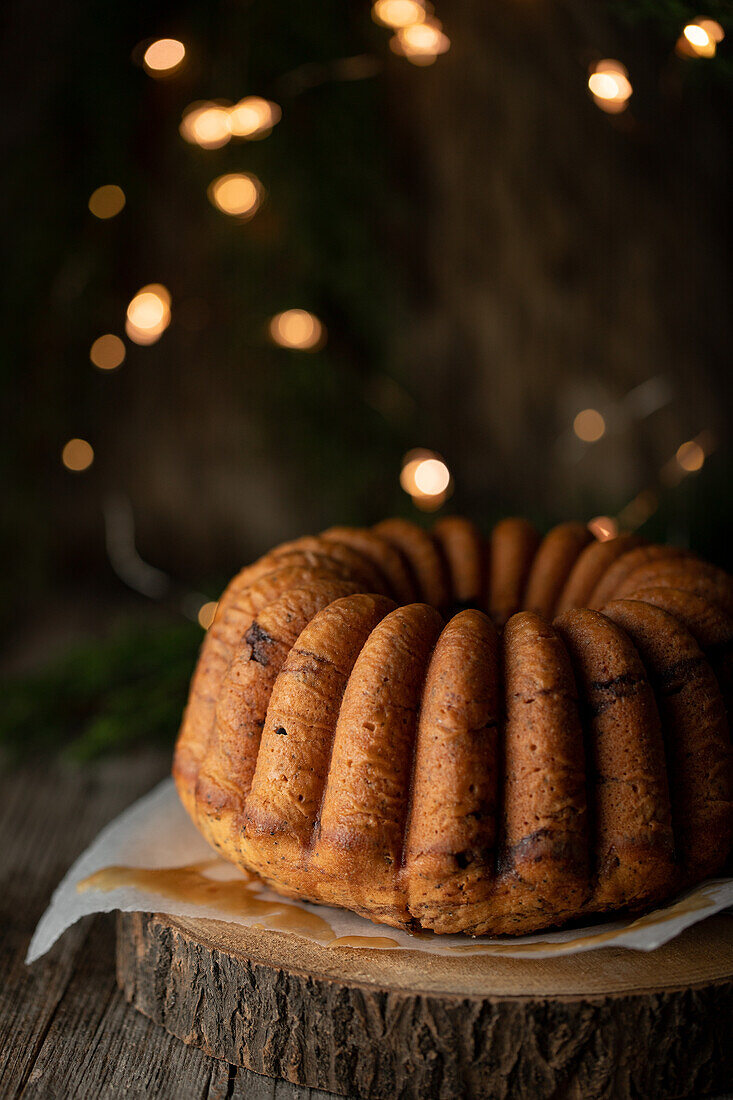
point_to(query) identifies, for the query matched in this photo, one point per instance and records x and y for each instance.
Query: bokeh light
(238, 194)
(432, 477)
(420, 43)
(297, 329)
(700, 38)
(206, 125)
(77, 455)
(425, 477)
(253, 117)
(589, 425)
(107, 201)
(696, 35)
(107, 352)
(164, 57)
(148, 314)
(610, 86)
(206, 614)
(603, 528)
(690, 457)
(398, 13)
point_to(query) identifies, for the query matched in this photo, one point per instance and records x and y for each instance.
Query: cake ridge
(693, 782)
(624, 746)
(290, 704)
(455, 743)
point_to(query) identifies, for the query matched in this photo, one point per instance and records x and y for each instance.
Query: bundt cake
(444, 732)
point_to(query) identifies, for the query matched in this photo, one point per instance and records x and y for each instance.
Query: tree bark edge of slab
(363, 1039)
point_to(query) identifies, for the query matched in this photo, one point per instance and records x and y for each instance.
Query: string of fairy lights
(418, 36)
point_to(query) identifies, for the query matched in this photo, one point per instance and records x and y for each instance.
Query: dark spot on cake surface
(260, 641)
(674, 678)
(618, 685)
(544, 844)
(281, 731)
(317, 657)
(482, 856)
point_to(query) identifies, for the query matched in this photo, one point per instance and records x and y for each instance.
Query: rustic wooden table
(65, 1029)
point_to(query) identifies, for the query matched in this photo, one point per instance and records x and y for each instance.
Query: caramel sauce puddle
(238, 896)
(232, 895)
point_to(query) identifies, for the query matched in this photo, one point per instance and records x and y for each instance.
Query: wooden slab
(372, 1023)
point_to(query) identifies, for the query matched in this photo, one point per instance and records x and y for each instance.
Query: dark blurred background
(506, 227)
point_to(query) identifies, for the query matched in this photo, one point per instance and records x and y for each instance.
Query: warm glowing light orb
(148, 314)
(253, 117)
(424, 38)
(589, 425)
(297, 329)
(426, 478)
(696, 35)
(163, 57)
(690, 456)
(146, 311)
(603, 528)
(398, 13)
(77, 455)
(238, 194)
(700, 39)
(420, 43)
(107, 201)
(107, 352)
(206, 125)
(610, 86)
(432, 477)
(206, 614)
(603, 85)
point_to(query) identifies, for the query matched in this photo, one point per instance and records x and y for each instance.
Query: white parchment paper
(156, 833)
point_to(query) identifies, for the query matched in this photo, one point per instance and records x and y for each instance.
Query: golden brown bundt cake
(557, 748)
